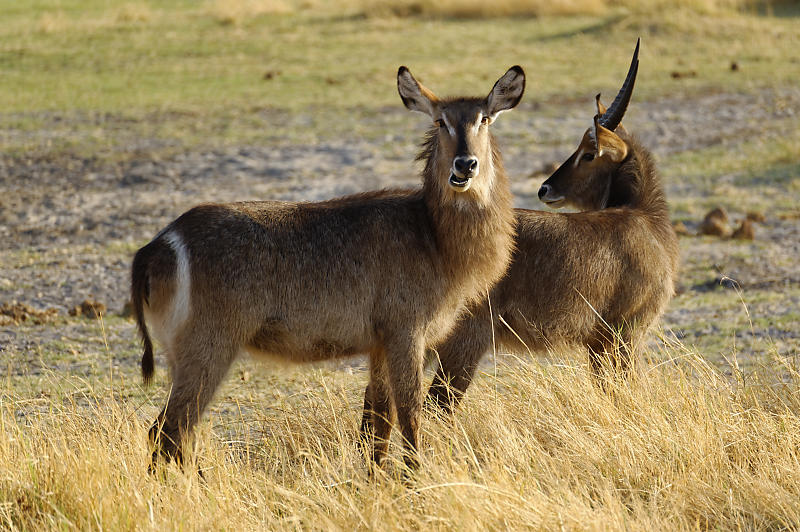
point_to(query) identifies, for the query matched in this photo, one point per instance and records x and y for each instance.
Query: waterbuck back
(598, 278)
(385, 273)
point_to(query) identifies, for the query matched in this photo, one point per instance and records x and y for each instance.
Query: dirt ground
(70, 224)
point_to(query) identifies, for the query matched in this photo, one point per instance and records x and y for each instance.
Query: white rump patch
(183, 279)
(167, 322)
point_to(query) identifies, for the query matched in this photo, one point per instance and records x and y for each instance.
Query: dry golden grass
(683, 446)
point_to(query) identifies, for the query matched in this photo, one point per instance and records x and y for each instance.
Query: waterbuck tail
(140, 290)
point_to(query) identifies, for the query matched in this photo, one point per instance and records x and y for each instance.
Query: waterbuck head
(584, 180)
(460, 149)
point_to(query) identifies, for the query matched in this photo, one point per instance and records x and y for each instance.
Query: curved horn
(612, 117)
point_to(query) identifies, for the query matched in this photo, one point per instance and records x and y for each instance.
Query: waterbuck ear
(507, 92)
(610, 145)
(415, 95)
(601, 109)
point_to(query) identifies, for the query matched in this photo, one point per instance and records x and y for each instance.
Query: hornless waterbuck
(385, 273)
(598, 278)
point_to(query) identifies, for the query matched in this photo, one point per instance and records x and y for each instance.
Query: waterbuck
(598, 278)
(385, 273)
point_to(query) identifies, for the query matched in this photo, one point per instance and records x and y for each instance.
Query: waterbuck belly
(277, 340)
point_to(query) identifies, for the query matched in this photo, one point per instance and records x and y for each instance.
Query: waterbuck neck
(636, 182)
(474, 234)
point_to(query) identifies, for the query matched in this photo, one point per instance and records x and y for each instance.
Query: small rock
(727, 282)
(715, 223)
(546, 169)
(686, 74)
(127, 310)
(680, 228)
(14, 313)
(718, 212)
(745, 231)
(89, 308)
(716, 283)
(550, 168)
(755, 216)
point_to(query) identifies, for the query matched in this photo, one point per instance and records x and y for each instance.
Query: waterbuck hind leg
(404, 362)
(611, 357)
(163, 445)
(459, 357)
(599, 359)
(367, 427)
(200, 362)
(448, 387)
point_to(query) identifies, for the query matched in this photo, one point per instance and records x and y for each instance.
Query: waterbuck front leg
(459, 357)
(200, 359)
(404, 361)
(376, 421)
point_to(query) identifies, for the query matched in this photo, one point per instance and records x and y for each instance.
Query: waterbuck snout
(462, 127)
(583, 181)
(465, 167)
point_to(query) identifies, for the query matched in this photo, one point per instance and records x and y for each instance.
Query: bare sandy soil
(70, 224)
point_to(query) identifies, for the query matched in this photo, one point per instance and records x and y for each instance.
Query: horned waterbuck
(598, 278)
(385, 273)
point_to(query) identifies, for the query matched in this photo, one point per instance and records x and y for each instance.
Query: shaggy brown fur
(385, 273)
(621, 258)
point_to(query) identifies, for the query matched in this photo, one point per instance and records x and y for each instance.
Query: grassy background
(536, 445)
(208, 73)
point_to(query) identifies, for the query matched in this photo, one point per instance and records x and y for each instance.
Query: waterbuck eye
(439, 122)
(588, 156)
(485, 120)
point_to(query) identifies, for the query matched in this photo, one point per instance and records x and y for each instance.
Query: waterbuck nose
(544, 190)
(465, 166)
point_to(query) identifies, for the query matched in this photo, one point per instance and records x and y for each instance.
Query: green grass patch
(173, 71)
(761, 173)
